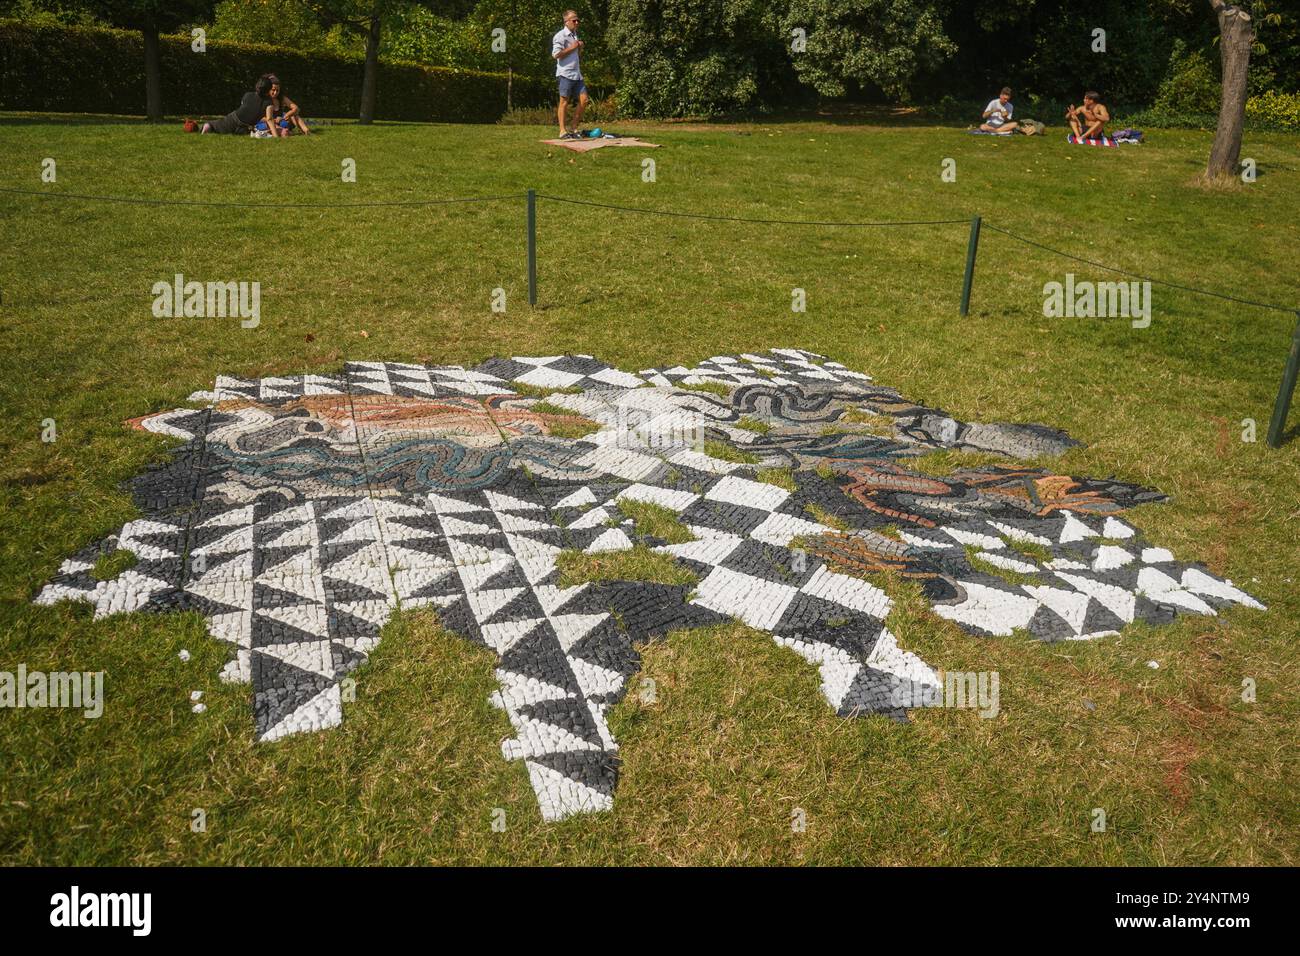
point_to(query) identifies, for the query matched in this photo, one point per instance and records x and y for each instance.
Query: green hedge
(86, 70)
(1276, 110)
(1271, 113)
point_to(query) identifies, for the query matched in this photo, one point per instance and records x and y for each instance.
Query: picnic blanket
(1092, 140)
(1026, 127)
(586, 145)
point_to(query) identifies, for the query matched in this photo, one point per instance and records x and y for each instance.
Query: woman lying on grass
(264, 111)
(251, 109)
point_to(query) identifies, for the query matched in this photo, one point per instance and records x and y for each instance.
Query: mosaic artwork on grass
(300, 512)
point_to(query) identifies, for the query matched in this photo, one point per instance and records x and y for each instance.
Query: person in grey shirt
(565, 48)
(997, 115)
(251, 109)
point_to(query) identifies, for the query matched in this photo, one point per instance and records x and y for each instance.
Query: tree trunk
(152, 75)
(370, 80)
(510, 63)
(1236, 34)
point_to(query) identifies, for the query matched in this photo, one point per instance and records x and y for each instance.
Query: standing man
(565, 48)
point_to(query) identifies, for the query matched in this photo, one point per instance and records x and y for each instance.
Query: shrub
(1271, 113)
(950, 109)
(1152, 118)
(866, 45)
(696, 57)
(87, 70)
(291, 22)
(1274, 110)
(601, 111)
(415, 33)
(1191, 85)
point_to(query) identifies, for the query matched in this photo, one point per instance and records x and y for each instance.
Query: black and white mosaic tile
(300, 511)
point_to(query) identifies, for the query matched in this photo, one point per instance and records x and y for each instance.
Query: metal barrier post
(532, 247)
(971, 249)
(1283, 403)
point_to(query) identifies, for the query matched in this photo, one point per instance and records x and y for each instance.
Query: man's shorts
(571, 89)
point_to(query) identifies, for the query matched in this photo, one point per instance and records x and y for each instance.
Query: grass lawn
(738, 736)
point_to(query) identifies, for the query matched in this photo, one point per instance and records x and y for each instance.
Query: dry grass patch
(715, 388)
(656, 521)
(781, 477)
(109, 566)
(822, 516)
(725, 452)
(635, 564)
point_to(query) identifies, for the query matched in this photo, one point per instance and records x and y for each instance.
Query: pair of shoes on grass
(572, 134)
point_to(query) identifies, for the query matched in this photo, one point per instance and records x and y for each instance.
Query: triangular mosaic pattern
(302, 510)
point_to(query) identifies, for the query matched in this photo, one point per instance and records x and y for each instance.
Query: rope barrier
(1134, 275)
(1280, 409)
(768, 222)
(144, 201)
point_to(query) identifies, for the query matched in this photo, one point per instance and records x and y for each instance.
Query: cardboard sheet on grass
(586, 145)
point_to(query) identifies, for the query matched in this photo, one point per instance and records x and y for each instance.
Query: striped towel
(1092, 140)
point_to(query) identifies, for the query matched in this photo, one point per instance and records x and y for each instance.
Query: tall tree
(152, 18)
(696, 57)
(363, 17)
(1236, 35)
(881, 43)
(366, 18)
(287, 23)
(706, 57)
(370, 76)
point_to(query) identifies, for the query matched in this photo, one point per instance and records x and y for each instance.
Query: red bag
(191, 126)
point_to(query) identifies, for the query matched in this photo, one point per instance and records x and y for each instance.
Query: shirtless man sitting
(1089, 120)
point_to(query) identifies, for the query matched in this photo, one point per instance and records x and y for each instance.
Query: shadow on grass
(829, 114)
(71, 119)
(17, 118)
